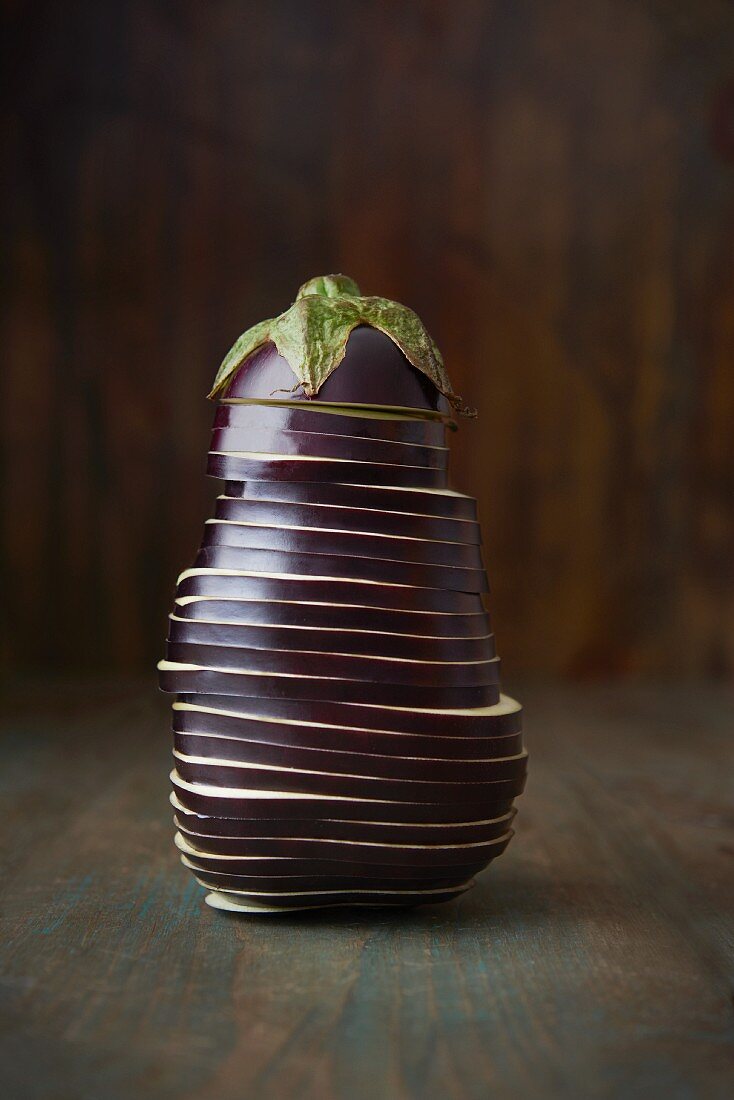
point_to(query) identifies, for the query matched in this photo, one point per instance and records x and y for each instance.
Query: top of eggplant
(385, 354)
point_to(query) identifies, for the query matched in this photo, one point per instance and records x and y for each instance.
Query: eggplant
(356, 852)
(224, 606)
(356, 593)
(417, 747)
(185, 678)
(372, 670)
(253, 466)
(368, 841)
(345, 544)
(339, 735)
(222, 833)
(436, 503)
(364, 521)
(214, 772)
(501, 718)
(255, 802)
(347, 859)
(332, 420)
(210, 746)
(319, 880)
(217, 552)
(344, 448)
(212, 630)
(234, 901)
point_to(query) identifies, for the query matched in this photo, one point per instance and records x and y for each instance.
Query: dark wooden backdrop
(550, 185)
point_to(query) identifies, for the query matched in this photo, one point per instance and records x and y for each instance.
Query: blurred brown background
(549, 185)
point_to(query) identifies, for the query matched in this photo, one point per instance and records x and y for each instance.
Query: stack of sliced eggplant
(339, 733)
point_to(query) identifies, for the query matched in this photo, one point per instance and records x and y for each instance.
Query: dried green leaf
(330, 286)
(248, 342)
(312, 336)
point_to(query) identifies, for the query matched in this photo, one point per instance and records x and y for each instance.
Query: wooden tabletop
(595, 959)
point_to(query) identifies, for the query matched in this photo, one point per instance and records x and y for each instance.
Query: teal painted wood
(594, 960)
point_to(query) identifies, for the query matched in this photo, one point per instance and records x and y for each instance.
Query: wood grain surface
(595, 959)
(550, 185)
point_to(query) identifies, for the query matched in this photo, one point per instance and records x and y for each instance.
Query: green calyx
(312, 336)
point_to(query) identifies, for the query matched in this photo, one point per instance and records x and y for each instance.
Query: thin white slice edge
(181, 809)
(182, 601)
(215, 762)
(506, 705)
(172, 666)
(341, 890)
(359, 507)
(329, 531)
(328, 653)
(313, 603)
(183, 846)
(218, 899)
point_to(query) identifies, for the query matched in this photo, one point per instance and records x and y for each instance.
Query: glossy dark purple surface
(497, 723)
(356, 593)
(415, 502)
(357, 642)
(275, 417)
(395, 844)
(345, 545)
(324, 446)
(348, 763)
(328, 470)
(345, 740)
(226, 833)
(221, 550)
(221, 598)
(372, 670)
(298, 687)
(347, 786)
(344, 807)
(358, 520)
(373, 372)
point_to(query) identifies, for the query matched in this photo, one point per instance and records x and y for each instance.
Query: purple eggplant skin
(209, 630)
(501, 721)
(318, 857)
(357, 594)
(345, 544)
(206, 640)
(291, 780)
(340, 739)
(271, 807)
(310, 417)
(369, 841)
(184, 680)
(219, 553)
(372, 670)
(416, 502)
(220, 601)
(346, 763)
(300, 873)
(318, 445)
(359, 521)
(217, 599)
(337, 852)
(237, 468)
(373, 372)
(317, 881)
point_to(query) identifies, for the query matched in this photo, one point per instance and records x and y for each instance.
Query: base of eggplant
(249, 904)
